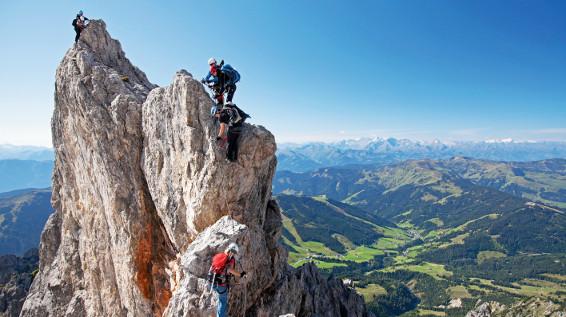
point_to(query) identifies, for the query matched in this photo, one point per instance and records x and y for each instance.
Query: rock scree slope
(143, 198)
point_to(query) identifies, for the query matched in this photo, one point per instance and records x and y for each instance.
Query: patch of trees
(513, 268)
(317, 221)
(399, 299)
(462, 254)
(533, 230)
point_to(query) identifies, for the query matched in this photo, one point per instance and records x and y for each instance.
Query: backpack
(219, 262)
(232, 73)
(237, 115)
(217, 274)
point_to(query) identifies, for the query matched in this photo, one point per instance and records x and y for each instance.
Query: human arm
(207, 79)
(236, 273)
(222, 132)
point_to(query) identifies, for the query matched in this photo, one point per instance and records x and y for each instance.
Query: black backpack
(237, 115)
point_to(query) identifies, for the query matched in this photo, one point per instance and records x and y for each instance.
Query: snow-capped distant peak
(506, 140)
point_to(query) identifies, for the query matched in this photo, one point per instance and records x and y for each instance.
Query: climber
(79, 23)
(231, 119)
(222, 267)
(223, 78)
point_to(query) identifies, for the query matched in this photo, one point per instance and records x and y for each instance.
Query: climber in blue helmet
(79, 23)
(224, 77)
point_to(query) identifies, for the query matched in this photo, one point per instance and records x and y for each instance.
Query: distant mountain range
(543, 181)
(381, 151)
(26, 152)
(17, 174)
(23, 214)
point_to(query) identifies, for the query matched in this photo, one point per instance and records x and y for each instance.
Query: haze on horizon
(320, 70)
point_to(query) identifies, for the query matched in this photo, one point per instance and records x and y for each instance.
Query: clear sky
(318, 69)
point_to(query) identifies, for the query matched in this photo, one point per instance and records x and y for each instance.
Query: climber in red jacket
(223, 266)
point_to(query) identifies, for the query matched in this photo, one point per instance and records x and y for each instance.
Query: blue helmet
(80, 12)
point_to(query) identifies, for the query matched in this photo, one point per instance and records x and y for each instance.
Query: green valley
(432, 237)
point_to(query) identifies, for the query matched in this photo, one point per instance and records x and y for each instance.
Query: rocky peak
(525, 308)
(143, 198)
(96, 44)
(191, 183)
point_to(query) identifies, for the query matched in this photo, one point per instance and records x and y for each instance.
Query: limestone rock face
(191, 183)
(144, 198)
(16, 274)
(533, 307)
(104, 251)
(194, 297)
(300, 292)
(317, 296)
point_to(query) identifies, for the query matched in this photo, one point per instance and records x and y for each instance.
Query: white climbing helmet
(211, 61)
(233, 248)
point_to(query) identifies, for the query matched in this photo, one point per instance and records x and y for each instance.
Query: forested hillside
(432, 237)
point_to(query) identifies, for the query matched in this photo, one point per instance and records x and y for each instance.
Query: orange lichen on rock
(151, 258)
(143, 262)
(163, 293)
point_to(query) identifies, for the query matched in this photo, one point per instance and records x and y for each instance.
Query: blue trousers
(222, 309)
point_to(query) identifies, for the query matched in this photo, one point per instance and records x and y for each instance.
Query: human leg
(230, 89)
(232, 153)
(222, 308)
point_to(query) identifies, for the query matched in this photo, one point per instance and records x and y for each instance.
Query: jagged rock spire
(140, 187)
(104, 251)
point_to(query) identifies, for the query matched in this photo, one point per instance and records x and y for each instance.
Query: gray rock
(104, 251)
(304, 292)
(300, 292)
(16, 274)
(191, 183)
(533, 307)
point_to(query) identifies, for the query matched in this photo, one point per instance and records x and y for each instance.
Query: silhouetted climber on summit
(79, 23)
(223, 79)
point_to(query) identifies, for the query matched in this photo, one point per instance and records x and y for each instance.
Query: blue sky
(319, 69)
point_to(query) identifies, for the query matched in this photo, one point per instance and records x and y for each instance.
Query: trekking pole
(213, 280)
